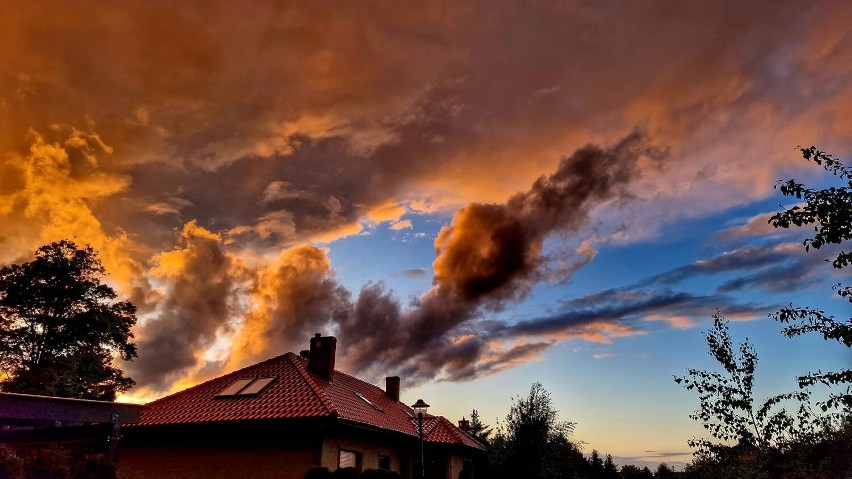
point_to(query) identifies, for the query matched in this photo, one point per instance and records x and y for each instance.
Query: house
(279, 417)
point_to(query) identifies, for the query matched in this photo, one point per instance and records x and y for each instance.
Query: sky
(470, 195)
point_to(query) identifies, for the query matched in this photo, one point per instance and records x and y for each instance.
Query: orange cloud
(293, 297)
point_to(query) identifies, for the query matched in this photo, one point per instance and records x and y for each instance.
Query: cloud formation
(252, 132)
(201, 283)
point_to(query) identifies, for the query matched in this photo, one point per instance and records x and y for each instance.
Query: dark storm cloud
(214, 106)
(202, 285)
(278, 123)
(489, 255)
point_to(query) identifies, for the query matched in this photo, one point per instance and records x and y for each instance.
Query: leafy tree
(629, 471)
(534, 443)
(664, 472)
(477, 429)
(830, 210)
(727, 406)
(60, 326)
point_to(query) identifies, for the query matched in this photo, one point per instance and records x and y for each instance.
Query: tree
(596, 465)
(830, 210)
(727, 406)
(629, 471)
(534, 443)
(60, 326)
(610, 470)
(477, 429)
(664, 472)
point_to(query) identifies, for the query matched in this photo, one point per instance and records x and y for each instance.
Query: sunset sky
(470, 195)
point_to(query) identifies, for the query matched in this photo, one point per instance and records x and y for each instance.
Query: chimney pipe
(464, 425)
(321, 357)
(392, 387)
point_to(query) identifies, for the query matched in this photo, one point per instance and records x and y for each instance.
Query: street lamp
(420, 408)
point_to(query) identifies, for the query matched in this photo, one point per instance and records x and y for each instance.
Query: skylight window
(257, 386)
(235, 387)
(245, 387)
(363, 398)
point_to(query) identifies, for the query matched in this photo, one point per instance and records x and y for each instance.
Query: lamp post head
(420, 406)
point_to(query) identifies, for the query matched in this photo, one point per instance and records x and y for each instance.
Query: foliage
(317, 472)
(727, 406)
(477, 429)
(610, 471)
(630, 471)
(664, 472)
(11, 466)
(534, 443)
(60, 326)
(51, 461)
(830, 210)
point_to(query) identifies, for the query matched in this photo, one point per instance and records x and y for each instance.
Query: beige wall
(455, 464)
(213, 463)
(370, 453)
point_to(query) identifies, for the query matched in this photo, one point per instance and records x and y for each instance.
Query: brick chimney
(321, 357)
(392, 387)
(464, 425)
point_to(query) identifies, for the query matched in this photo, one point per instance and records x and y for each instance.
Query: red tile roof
(298, 393)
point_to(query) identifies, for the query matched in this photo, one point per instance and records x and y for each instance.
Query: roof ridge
(323, 397)
(377, 388)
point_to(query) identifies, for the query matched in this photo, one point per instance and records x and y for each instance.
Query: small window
(350, 459)
(235, 387)
(364, 398)
(384, 462)
(244, 387)
(257, 386)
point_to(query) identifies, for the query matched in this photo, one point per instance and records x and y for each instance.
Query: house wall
(369, 450)
(214, 463)
(455, 465)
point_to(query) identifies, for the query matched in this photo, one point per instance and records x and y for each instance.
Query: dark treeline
(534, 443)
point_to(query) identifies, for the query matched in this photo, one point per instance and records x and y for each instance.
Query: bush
(49, 462)
(317, 472)
(11, 466)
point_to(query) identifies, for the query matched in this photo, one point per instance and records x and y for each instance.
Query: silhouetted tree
(645, 473)
(534, 443)
(477, 429)
(610, 470)
(596, 465)
(317, 472)
(629, 471)
(830, 210)
(60, 326)
(346, 473)
(664, 472)
(727, 406)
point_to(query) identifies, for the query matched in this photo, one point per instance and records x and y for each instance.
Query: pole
(420, 427)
